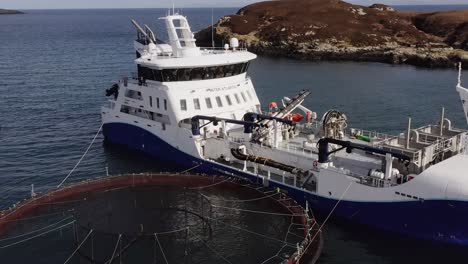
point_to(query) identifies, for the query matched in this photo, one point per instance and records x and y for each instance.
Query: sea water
(56, 64)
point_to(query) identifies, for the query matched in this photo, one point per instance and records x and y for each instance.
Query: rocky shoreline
(336, 30)
(9, 12)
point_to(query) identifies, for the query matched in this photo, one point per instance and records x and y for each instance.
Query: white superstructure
(178, 80)
(198, 108)
(463, 92)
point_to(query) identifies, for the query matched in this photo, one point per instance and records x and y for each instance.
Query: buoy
(273, 105)
(297, 117)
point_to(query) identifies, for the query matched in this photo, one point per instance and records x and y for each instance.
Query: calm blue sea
(56, 64)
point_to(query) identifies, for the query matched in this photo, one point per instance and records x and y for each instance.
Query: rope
(251, 232)
(211, 185)
(285, 242)
(82, 157)
(241, 201)
(185, 171)
(160, 247)
(79, 246)
(35, 231)
(33, 217)
(38, 235)
(214, 251)
(329, 215)
(115, 250)
(252, 211)
(173, 231)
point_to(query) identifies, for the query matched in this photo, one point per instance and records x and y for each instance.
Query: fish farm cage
(160, 218)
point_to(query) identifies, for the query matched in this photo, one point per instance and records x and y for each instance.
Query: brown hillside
(333, 29)
(450, 25)
(310, 20)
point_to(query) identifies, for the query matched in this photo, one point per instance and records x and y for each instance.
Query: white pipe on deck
(408, 133)
(442, 121)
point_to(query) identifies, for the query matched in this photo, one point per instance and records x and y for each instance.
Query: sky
(65, 4)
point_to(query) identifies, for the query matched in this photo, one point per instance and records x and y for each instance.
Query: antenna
(459, 74)
(212, 29)
(173, 8)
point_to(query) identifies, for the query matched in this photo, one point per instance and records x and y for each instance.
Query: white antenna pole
(173, 8)
(459, 74)
(212, 29)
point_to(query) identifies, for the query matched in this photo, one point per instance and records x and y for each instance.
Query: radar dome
(234, 43)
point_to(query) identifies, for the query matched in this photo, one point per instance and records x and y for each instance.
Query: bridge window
(197, 74)
(133, 94)
(238, 69)
(208, 103)
(157, 102)
(183, 74)
(245, 66)
(228, 70)
(219, 72)
(183, 105)
(151, 101)
(169, 75)
(145, 114)
(209, 73)
(191, 74)
(237, 98)
(196, 103)
(243, 97)
(228, 99)
(219, 102)
(165, 104)
(250, 96)
(149, 74)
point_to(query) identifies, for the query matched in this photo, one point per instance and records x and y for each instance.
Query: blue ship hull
(432, 220)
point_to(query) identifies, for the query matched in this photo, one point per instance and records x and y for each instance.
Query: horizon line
(191, 7)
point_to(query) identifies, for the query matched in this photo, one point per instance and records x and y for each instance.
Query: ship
(197, 107)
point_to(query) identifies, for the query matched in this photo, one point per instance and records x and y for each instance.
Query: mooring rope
(211, 185)
(115, 250)
(79, 246)
(285, 242)
(32, 217)
(328, 216)
(35, 231)
(38, 235)
(82, 157)
(173, 231)
(253, 211)
(240, 200)
(185, 171)
(160, 247)
(251, 232)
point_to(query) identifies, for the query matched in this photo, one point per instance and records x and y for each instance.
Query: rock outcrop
(9, 12)
(336, 30)
(452, 26)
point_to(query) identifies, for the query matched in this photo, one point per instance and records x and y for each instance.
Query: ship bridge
(181, 59)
